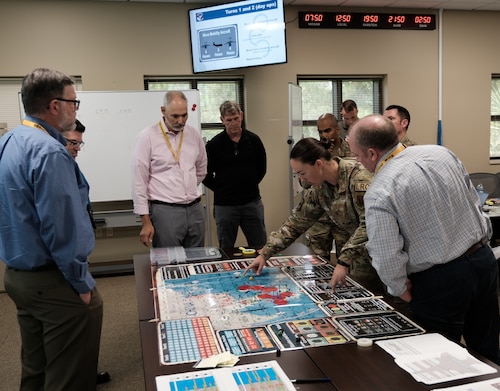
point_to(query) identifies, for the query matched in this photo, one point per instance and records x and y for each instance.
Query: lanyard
(34, 125)
(389, 157)
(174, 153)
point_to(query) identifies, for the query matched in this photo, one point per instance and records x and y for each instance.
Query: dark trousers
(460, 298)
(60, 334)
(178, 225)
(250, 217)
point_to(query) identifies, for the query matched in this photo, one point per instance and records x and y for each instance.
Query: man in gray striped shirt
(428, 235)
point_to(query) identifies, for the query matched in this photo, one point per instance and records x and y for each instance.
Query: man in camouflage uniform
(349, 113)
(343, 204)
(319, 237)
(400, 117)
(329, 132)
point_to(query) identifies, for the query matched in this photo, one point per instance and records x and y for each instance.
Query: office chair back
(490, 182)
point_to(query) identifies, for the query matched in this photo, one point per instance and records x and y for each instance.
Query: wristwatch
(342, 263)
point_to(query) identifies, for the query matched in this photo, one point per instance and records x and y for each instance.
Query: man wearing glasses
(74, 139)
(74, 142)
(46, 238)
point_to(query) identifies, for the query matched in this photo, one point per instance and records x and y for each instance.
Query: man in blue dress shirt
(45, 239)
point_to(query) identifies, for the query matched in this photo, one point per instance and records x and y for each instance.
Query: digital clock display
(367, 20)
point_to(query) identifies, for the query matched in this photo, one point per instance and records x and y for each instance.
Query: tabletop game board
(307, 333)
(232, 300)
(186, 340)
(290, 305)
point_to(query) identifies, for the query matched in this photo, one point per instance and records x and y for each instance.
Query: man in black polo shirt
(236, 166)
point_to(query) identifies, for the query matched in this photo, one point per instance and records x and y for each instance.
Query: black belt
(475, 247)
(472, 249)
(51, 266)
(179, 205)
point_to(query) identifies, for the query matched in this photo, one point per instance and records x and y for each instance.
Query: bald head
(371, 137)
(374, 131)
(328, 117)
(328, 127)
(175, 111)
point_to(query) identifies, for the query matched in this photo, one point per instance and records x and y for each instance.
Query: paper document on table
(432, 358)
(418, 344)
(486, 385)
(262, 376)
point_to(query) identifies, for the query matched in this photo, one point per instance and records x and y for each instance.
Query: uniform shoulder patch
(361, 186)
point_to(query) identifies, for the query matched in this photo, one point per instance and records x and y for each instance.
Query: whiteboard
(112, 120)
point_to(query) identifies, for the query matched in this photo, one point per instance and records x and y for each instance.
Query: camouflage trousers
(363, 272)
(319, 237)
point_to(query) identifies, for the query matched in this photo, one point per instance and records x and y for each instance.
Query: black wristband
(342, 263)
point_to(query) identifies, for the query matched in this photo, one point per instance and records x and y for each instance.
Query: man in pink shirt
(169, 162)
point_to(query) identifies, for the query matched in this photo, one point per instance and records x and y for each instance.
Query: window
(325, 95)
(10, 112)
(213, 91)
(495, 118)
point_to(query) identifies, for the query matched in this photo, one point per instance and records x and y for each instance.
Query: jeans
(250, 217)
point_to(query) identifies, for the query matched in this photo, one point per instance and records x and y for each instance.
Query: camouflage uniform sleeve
(355, 248)
(346, 150)
(303, 216)
(407, 142)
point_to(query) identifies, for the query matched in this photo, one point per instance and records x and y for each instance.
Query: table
(348, 366)
(295, 363)
(372, 369)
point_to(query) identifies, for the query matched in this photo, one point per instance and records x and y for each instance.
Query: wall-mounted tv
(236, 35)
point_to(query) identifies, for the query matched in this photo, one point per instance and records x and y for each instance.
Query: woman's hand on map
(257, 265)
(338, 277)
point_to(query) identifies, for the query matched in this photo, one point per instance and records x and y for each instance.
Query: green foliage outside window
(325, 95)
(495, 118)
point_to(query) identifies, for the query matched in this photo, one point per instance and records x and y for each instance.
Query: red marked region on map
(278, 299)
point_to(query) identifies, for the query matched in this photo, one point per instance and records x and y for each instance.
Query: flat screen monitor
(237, 35)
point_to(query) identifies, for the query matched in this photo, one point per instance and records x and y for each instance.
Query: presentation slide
(235, 35)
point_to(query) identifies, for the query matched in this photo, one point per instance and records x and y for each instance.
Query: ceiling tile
(480, 5)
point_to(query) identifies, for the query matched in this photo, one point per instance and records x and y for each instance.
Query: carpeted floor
(120, 344)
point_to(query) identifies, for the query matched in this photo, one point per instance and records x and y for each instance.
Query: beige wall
(112, 45)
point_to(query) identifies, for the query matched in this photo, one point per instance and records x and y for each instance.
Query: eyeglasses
(75, 102)
(75, 143)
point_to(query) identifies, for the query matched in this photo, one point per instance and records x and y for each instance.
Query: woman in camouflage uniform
(338, 189)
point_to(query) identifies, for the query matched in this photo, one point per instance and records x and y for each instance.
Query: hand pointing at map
(257, 265)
